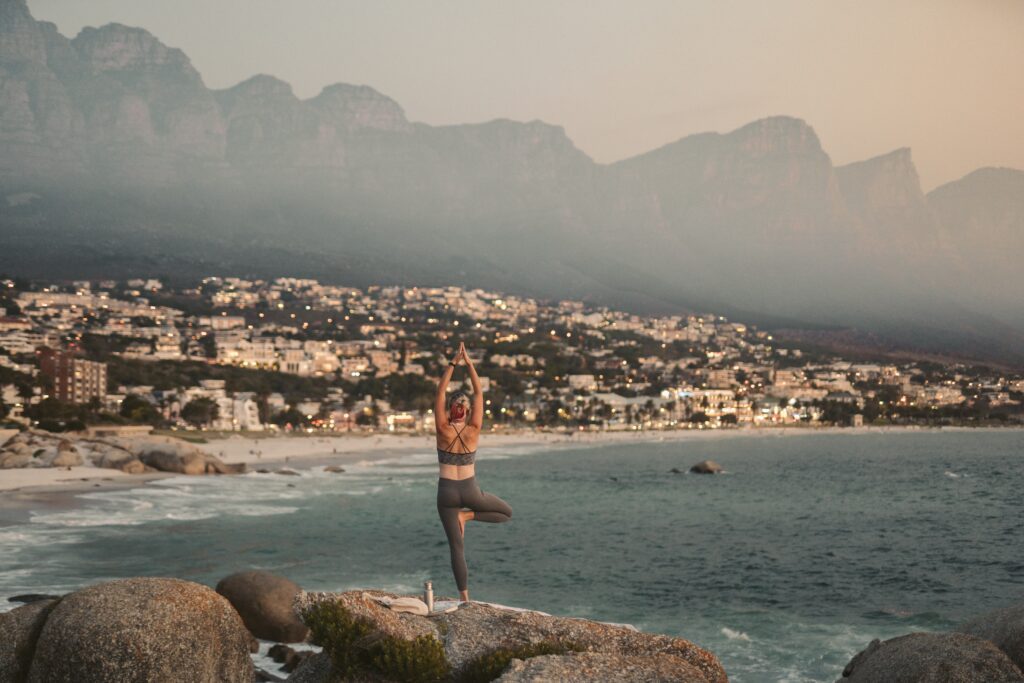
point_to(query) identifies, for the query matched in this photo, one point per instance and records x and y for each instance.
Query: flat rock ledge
(483, 642)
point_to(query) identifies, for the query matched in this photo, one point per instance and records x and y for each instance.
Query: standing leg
(448, 508)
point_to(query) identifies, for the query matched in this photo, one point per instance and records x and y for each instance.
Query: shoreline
(26, 489)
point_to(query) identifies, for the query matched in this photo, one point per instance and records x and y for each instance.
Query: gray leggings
(452, 496)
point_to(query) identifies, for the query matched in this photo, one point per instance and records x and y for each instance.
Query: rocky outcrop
(932, 657)
(586, 667)
(19, 630)
(33, 448)
(142, 629)
(1002, 627)
(264, 602)
(706, 467)
(477, 638)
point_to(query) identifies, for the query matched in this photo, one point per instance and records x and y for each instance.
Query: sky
(943, 77)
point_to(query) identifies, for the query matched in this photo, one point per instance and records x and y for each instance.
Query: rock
(142, 629)
(294, 659)
(707, 467)
(32, 597)
(11, 460)
(476, 630)
(264, 602)
(179, 463)
(19, 631)
(113, 457)
(312, 669)
(263, 470)
(675, 470)
(279, 652)
(263, 676)
(215, 465)
(1002, 627)
(290, 473)
(67, 456)
(584, 667)
(132, 466)
(927, 657)
(334, 468)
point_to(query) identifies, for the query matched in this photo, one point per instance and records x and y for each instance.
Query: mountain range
(116, 160)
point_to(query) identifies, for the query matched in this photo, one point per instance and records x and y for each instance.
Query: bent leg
(487, 507)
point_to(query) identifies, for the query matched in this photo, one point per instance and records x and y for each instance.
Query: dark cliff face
(133, 158)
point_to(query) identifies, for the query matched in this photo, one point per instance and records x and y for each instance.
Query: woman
(458, 426)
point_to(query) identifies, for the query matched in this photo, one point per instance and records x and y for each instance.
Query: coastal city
(239, 355)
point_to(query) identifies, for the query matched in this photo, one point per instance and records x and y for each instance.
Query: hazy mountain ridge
(134, 156)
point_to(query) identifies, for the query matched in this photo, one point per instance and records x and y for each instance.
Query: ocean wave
(734, 635)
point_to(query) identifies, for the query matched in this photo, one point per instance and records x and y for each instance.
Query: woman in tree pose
(459, 498)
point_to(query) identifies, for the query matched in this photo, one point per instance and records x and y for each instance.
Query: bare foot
(464, 516)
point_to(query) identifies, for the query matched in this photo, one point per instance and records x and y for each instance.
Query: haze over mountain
(116, 159)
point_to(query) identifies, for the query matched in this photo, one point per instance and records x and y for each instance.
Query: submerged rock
(334, 468)
(707, 467)
(1002, 627)
(932, 657)
(142, 629)
(264, 601)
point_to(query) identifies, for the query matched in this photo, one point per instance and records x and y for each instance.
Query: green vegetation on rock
(356, 647)
(490, 666)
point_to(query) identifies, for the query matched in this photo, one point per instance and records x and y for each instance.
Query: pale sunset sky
(943, 77)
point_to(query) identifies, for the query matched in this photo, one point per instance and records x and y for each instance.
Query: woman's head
(458, 406)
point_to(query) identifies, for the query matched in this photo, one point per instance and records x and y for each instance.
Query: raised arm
(440, 407)
(476, 417)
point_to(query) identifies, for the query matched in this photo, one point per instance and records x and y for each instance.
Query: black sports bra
(449, 458)
(445, 456)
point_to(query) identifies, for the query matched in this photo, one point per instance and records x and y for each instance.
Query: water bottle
(428, 595)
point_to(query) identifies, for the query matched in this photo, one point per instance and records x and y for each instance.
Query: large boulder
(477, 635)
(1002, 627)
(116, 458)
(179, 463)
(14, 459)
(932, 658)
(264, 601)
(142, 629)
(585, 667)
(67, 455)
(19, 630)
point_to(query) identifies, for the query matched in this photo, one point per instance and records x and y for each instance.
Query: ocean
(805, 549)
